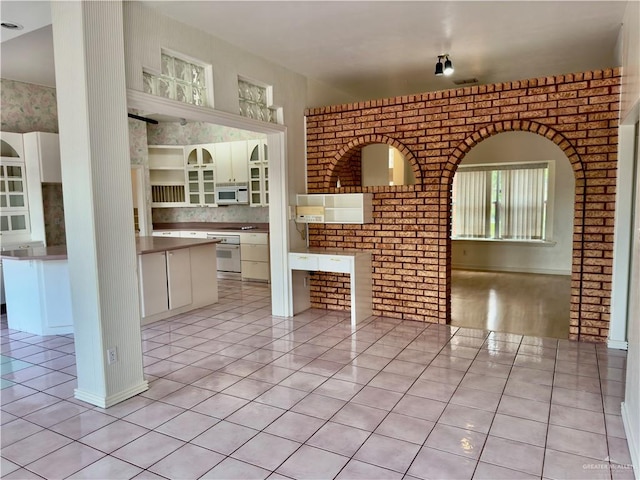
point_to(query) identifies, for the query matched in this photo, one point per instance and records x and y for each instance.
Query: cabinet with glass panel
(258, 173)
(14, 216)
(200, 175)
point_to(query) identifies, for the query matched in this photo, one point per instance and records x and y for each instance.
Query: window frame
(277, 111)
(496, 166)
(208, 75)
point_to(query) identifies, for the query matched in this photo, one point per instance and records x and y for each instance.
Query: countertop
(231, 227)
(143, 245)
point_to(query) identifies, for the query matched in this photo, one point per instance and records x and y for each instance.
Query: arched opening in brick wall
(579, 208)
(346, 165)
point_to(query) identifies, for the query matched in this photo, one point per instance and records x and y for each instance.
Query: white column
(623, 236)
(92, 114)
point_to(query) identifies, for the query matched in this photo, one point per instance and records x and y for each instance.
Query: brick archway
(346, 164)
(448, 172)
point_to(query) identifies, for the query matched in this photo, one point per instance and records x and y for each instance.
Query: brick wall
(410, 233)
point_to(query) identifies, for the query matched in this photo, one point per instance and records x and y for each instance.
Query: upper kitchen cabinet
(200, 171)
(28, 160)
(15, 225)
(231, 162)
(44, 149)
(258, 173)
(167, 175)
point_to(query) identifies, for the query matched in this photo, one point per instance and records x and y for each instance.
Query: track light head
(446, 68)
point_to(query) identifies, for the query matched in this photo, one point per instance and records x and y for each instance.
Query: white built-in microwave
(232, 194)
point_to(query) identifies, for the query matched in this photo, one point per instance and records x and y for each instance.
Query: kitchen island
(38, 291)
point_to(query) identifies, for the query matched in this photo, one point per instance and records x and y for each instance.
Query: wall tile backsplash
(228, 213)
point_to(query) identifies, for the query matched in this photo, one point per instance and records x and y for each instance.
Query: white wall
(320, 94)
(630, 59)
(510, 256)
(375, 164)
(630, 115)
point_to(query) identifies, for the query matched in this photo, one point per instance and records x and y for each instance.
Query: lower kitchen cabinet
(254, 255)
(153, 283)
(176, 281)
(179, 277)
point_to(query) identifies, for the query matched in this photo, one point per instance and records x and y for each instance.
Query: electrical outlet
(112, 355)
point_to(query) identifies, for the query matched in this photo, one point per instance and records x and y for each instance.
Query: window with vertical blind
(501, 201)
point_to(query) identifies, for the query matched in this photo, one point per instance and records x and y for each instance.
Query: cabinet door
(224, 166)
(239, 158)
(45, 147)
(153, 283)
(14, 219)
(332, 263)
(303, 261)
(179, 277)
(256, 253)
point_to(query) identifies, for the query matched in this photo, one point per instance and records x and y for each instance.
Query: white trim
(492, 268)
(278, 180)
(632, 442)
(617, 344)
(106, 402)
(622, 233)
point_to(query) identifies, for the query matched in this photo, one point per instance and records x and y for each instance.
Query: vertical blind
(500, 202)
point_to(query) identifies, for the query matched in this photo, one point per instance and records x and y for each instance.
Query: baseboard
(106, 402)
(618, 344)
(492, 268)
(632, 440)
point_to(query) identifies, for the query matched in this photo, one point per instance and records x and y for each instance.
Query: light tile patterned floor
(238, 394)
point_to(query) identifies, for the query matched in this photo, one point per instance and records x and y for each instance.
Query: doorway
(512, 236)
(277, 164)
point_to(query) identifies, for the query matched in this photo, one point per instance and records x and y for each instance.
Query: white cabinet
(15, 224)
(177, 281)
(335, 208)
(167, 175)
(258, 173)
(165, 281)
(179, 277)
(254, 256)
(231, 162)
(192, 234)
(166, 233)
(45, 147)
(200, 171)
(153, 283)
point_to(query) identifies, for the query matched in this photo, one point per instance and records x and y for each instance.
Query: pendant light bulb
(448, 66)
(439, 68)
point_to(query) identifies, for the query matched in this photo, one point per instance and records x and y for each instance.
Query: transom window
(256, 100)
(501, 201)
(181, 78)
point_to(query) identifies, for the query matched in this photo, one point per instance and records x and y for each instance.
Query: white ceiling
(374, 49)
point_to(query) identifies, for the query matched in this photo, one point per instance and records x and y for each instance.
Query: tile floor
(238, 394)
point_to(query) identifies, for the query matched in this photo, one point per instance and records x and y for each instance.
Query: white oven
(227, 252)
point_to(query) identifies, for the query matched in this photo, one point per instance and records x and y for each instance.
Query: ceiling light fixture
(11, 26)
(447, 68)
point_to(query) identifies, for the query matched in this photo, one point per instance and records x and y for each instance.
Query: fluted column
(96, 179)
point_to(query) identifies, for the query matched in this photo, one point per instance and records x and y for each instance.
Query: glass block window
(180, 79)
(255, 102)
